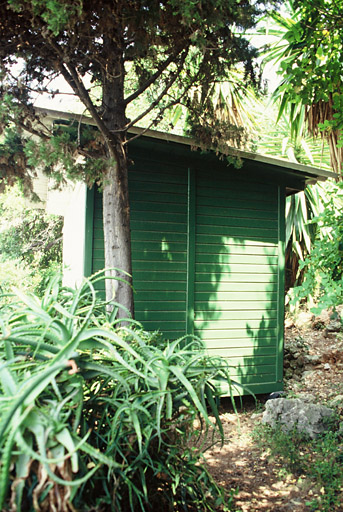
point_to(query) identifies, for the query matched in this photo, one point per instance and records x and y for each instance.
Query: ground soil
(263, 483)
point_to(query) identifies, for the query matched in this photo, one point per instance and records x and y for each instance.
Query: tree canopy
(111, 54)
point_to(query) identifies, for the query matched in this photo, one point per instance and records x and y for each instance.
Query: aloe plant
(101, 417)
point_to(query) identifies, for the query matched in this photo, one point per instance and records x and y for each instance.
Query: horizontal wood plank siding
(236, 274)
(158, 199)
(208, 241)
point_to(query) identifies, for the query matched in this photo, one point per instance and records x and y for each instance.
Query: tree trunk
(117, 236)
(116, 206)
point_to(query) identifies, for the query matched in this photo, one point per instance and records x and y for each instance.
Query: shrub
(323, 278)
(101, 417)
(30, 243)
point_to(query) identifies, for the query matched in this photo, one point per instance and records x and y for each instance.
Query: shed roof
(305, 173)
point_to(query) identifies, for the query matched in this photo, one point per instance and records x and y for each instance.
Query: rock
(289, 323)
(322, 319)
(301, 360)
(327, 366)
(312, 359)
(330, 335)
(289, 414)
(334, 326)
(304, 320)
(338, 400)
(307, 397)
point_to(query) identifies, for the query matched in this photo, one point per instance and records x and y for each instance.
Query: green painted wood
(221, 211)
(156, 196)
(236, 296)
(170, 217)
(226, 258)
(147, 206)
(153, 286)
(158, 305)
(231, 220)
(154, 276)
(236, 277)
(157, 265)
(218, 307)
(251, 206)
(217, 248)
(89, 234)
(162, 237)
(138, 175)
(246, 315)
(228, 241)
(191, 211)
(281, 281)
(171, 189)
(239, 232)
(245, 332)
(224, 324)
(229, 286)
(247, 352)
(160, 226)
(250, 268)
(212, 239)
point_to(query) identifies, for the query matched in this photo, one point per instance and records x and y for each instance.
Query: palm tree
(288, 50)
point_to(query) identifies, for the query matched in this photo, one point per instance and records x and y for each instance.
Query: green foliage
(153, 53)
(60, 156)
(126, 50)
(309, 54)
(324, 271)
(319, 460)
(102, 417)
(30, 243)
(13, 169)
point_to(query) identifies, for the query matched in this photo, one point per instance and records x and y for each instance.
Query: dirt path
(264, 484)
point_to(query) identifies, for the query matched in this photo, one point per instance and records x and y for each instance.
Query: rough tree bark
(116, 206)
(117, 236)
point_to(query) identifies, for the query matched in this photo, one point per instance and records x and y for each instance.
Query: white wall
(74, 212)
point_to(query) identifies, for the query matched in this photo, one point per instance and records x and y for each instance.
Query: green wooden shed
(207, 244)
(208, 250)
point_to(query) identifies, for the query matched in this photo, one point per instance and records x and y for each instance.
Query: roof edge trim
(313, 173)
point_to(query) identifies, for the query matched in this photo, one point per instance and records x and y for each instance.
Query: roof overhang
(308, 175)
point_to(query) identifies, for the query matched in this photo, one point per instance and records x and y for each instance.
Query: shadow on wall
(239, 317)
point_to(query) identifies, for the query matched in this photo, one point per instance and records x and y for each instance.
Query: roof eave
(311, 174)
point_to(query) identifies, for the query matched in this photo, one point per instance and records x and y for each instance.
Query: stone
(312, 359)
(288, 414)
(306, 397)
(304, 320)
(334, 326)
(338, 400)
(327, 366)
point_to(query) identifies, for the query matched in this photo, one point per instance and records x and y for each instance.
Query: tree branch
(160, 96)
(175, 101)
(71, 76)
(154, 77)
